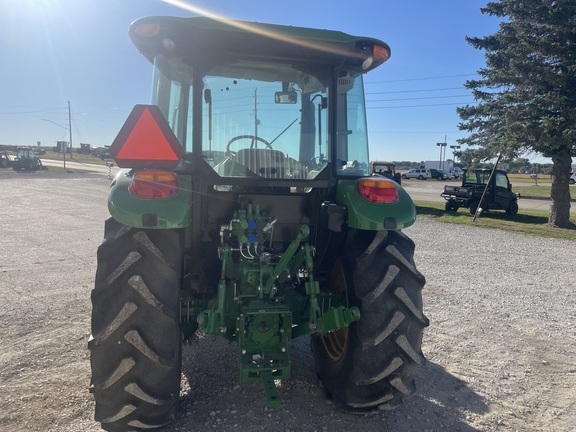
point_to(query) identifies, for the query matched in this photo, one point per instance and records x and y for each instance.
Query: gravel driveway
(500, 347)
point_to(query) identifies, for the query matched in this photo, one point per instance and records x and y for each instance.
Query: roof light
(168, 44)
(150, 29)
(376, 190)
(381, 52)
(367, 63)
(154, 184)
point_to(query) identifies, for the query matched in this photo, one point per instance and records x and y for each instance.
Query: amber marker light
(151, 29)
(381, 52)
(377, 190)
(154, 184)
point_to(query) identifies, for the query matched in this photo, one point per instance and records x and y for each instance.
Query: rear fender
(362, 214)
(165, 213)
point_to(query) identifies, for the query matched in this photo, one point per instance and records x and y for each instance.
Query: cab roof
(202, 36)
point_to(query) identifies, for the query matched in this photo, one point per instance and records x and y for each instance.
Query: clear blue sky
(79, 50)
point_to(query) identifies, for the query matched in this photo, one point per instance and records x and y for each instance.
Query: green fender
(165, 213)
(366, 215)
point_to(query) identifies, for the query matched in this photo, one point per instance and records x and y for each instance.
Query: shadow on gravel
(441, 402)
(213, 398)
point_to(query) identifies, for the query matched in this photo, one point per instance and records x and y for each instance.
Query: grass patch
(53, 169)
(540, 191)
(75, 157)
(525, 178)
(533, 222)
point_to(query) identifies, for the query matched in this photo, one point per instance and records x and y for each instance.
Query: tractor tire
(473, 207)
(136, 345)
(513, 209)
(368, 366)
(451, 206)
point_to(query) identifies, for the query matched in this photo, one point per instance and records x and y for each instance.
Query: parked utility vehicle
(498, 196)
(246, 210)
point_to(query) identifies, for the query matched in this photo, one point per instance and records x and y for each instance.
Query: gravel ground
(500, 347)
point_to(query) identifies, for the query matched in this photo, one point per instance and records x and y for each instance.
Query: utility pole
(256, 117)
(442, 147)
(70, 129)
(454, 148)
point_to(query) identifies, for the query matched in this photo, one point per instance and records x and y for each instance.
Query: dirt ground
(501, 350)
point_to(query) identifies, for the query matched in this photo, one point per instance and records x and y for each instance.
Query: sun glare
(39, 6)
(243, 25)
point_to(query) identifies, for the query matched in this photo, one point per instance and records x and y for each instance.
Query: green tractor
(26, 160)
(245, 209)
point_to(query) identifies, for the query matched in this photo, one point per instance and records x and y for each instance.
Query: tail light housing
(377, 190)
(154, 184)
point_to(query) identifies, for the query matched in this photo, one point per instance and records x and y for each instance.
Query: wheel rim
(335, 342)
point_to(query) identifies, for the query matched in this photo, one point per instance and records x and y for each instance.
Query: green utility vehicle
(26, 160)
(246, 209)
(494, 188)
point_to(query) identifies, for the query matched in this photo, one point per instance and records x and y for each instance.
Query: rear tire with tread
(136, 341)
(513, 209)
(451, 206)
(473, 207)
(379, 353)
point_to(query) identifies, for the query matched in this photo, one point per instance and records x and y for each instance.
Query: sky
(55, 51)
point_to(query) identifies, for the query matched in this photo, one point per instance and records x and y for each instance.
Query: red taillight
(377, 190)
(154, 184)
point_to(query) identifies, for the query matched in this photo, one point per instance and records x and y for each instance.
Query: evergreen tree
(526, 94)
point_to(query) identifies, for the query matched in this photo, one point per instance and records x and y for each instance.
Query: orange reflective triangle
(146, 140)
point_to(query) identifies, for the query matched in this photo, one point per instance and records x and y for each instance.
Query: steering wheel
(359, 165)
(252, 137)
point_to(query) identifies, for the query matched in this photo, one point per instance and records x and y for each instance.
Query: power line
(414, 132)
(415, 91)
(413, 106)
(31, 112)
(421, 79)
(418, 98)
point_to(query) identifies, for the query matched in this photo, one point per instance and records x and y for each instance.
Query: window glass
(352, 157)
(501, 180)
(172, 94)
(265, 120)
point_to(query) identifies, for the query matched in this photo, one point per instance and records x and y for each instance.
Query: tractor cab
(256, 105)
